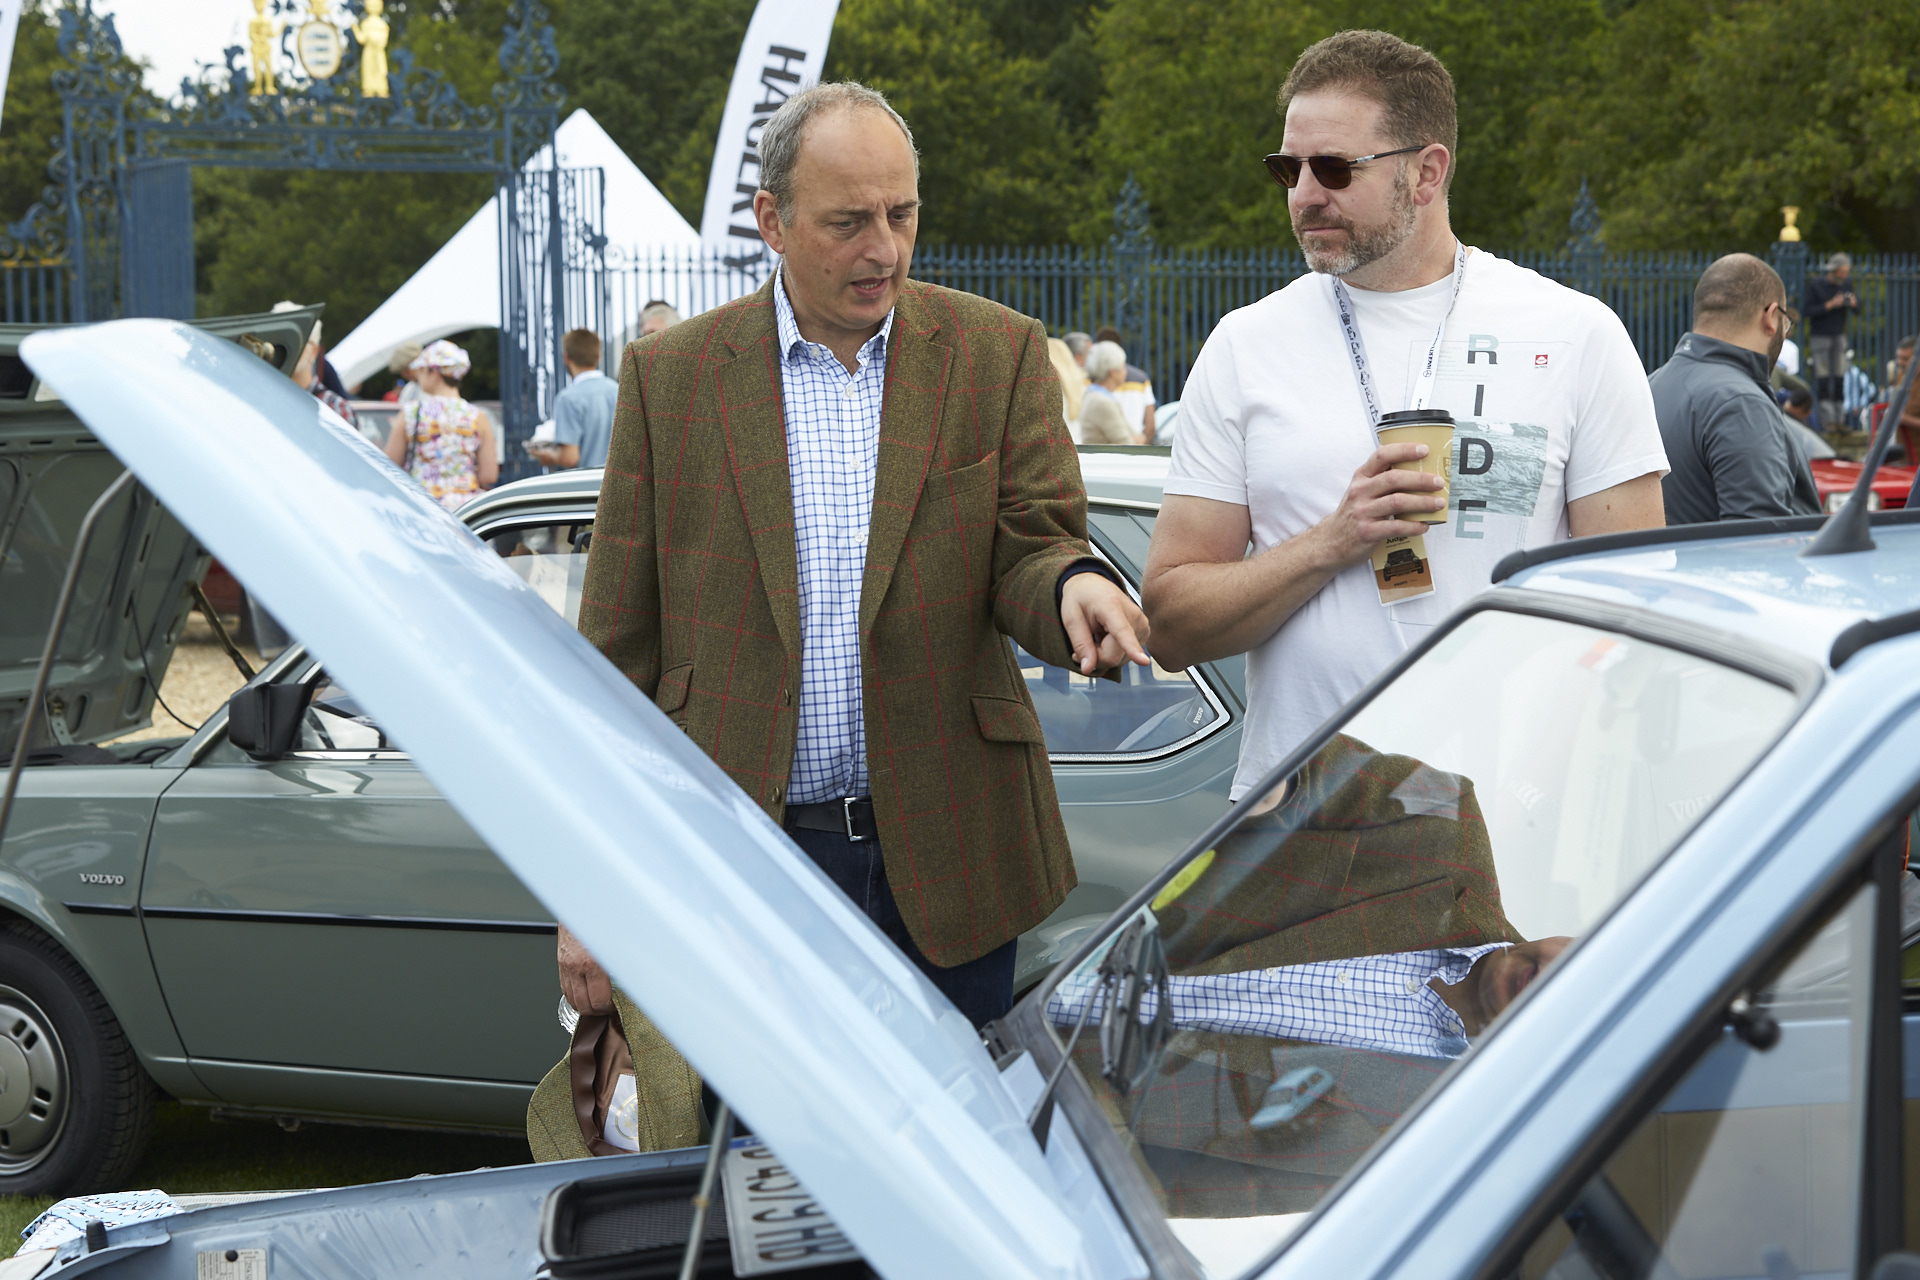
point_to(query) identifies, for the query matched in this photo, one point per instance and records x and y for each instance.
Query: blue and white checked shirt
(833, 451)
(1382, 1003)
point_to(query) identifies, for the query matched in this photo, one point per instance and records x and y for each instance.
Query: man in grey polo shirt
(583, 413)
(1732, 452)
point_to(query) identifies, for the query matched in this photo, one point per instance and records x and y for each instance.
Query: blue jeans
(982, 989)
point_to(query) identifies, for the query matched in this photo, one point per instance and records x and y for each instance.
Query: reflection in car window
(335, 721)
(1146, 709)
(552, 559)
(1291, 990)
(1751, 1165)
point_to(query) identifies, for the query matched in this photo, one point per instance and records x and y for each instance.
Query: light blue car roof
(1756, 585)
(864, 1078)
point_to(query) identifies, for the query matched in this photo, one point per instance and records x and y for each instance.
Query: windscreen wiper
(1134, 966)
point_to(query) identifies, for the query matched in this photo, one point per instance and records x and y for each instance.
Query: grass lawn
(192, 1152)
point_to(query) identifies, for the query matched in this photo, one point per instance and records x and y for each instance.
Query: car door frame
(330, 1090)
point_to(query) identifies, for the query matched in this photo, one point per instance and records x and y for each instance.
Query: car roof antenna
(1849, 529)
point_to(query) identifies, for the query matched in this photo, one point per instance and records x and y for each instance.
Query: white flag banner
(9, 27)
(786, 44)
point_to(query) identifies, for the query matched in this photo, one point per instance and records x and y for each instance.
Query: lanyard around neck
(1357, 349)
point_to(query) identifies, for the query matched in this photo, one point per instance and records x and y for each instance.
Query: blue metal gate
(114, 234)
(156, 240)
(554, 278)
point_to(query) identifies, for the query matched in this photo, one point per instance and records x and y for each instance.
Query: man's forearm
(1203, 611)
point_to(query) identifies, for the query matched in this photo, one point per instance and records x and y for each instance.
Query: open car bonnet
(130, 601)
(793, 1006)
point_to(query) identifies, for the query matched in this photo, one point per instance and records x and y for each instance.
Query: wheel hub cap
(32, 1079)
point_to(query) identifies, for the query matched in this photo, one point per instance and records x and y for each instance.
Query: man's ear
(1430, 183)
(766, 216)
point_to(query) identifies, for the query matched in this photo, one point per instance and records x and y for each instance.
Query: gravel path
(200, 678)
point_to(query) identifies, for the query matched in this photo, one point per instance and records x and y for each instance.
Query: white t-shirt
(1550, 404)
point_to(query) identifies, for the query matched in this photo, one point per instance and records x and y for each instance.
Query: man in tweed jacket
(825, 508)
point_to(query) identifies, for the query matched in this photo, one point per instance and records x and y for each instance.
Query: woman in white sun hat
(441, 440)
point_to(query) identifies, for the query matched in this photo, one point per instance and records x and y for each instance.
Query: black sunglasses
(1332, 172)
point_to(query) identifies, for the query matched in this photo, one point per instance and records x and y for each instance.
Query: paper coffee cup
(1434, 429)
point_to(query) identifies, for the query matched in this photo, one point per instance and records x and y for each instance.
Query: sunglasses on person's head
(1332, 172)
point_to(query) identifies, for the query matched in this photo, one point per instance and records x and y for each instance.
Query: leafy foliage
(1694, 122)
(1192, 88)
(997, 149)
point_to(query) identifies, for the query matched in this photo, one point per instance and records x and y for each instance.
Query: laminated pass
(773, 1223)
(1401, 569)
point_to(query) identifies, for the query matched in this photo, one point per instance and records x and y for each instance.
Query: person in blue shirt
(583, 413)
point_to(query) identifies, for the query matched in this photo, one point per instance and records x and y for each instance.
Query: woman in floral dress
(441, 440)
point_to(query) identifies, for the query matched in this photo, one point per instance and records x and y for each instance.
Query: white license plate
(773, 1224)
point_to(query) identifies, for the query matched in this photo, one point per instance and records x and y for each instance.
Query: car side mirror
(264, 719)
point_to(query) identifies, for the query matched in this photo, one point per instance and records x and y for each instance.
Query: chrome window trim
(358, 757)
(496, 522)
(1132, 504)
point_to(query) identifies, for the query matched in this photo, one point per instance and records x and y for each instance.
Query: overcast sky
(174, 35)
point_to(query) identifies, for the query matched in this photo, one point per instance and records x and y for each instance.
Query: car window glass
(1751, 1165)
(1291, 990)
(335, 721)
(1147, 709)
(1128, 535)
(552, 559)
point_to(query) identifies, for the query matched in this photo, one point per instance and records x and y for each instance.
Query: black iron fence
(1166, 301)
(1177, 295)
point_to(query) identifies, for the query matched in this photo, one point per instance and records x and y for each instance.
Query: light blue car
(1589, 913)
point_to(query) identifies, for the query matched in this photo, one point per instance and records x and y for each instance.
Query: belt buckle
(846, 816)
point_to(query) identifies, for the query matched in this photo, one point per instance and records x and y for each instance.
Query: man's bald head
(1740, 300)
(1733, 291)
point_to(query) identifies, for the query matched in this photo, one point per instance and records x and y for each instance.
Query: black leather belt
(850, 816)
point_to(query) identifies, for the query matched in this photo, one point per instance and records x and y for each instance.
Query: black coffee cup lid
(1411, 417)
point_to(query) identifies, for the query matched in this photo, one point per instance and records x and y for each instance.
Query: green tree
(1695, 124)
(31, 123)
(999, 161)
(1191, 104)
(654, 73)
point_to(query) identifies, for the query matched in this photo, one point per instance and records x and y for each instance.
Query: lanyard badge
(1402, 569)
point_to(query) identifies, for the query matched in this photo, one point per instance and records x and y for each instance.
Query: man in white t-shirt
(1555, 434)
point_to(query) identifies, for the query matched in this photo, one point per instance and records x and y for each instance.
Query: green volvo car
(305, 928)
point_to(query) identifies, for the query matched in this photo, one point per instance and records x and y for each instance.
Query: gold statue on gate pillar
(372, 32)
(260, 33)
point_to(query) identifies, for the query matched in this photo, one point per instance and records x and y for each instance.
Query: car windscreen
(1294, 987)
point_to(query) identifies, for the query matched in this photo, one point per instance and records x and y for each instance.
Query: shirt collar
(792, 344)
(588, 373)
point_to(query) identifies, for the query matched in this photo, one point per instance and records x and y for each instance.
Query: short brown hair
(582, 346)
(1736, 289)
(1410, 84)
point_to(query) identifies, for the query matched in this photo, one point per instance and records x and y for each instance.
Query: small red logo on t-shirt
(1540, 361)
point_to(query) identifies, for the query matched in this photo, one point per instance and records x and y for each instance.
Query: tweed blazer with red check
(692, 589)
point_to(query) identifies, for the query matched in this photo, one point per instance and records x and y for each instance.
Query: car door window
(1147, 711)
(551, 558)
(335, 722)
(1752, 1164)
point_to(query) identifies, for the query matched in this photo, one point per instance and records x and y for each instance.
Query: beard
(1363, 244)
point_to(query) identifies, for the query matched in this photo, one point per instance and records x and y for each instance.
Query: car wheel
(76, 1107)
